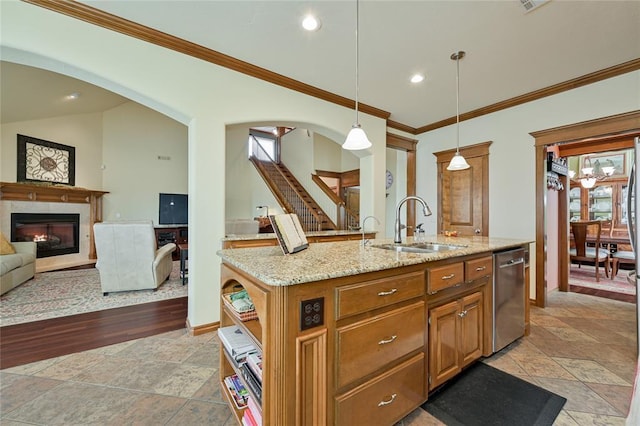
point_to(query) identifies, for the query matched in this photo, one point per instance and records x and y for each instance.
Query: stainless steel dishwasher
(508, 297)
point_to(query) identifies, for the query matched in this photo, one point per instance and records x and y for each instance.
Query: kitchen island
(360, 335)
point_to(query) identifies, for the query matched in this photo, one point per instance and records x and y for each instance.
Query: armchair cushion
(128, 258)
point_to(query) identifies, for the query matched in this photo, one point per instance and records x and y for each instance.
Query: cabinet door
(601, 203)
(622, 204)
(471, 330)
(444, 359)
(575, 203)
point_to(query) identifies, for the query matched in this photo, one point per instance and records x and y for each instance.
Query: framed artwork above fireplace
(45, 161)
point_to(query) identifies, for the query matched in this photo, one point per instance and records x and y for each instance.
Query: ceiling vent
(530, 5)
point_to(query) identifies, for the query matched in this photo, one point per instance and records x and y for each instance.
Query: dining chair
(619, 257)
(591, 230)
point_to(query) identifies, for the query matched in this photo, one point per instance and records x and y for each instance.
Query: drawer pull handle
(385, 341)
(383, 403)
(480, 268)
(388, 293)
(448, 277)
(463, 314)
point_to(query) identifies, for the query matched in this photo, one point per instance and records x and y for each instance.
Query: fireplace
(54, 233)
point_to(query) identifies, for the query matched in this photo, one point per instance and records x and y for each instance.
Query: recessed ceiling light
(417, 78)
(311, 23)
(73, 96)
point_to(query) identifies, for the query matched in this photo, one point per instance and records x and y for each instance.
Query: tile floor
(581, 347)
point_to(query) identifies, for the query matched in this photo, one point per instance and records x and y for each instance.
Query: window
(263, 148)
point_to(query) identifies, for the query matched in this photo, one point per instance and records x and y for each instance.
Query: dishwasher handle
(512, 262)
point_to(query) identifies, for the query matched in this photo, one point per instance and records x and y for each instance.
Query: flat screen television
(173, 209)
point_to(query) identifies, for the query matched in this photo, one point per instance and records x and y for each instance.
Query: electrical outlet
(311, 313)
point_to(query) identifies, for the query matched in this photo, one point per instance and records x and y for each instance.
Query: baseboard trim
(202, 329)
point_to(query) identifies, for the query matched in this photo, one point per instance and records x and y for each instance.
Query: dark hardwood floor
(629, 298)
(35, 341)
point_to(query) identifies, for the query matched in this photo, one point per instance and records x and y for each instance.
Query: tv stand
(177, 234)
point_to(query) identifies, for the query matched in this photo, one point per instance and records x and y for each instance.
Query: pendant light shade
(458, 162)
(356, 139)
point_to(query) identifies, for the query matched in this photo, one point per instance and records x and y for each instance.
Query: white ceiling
(509, 52)
(28, 93)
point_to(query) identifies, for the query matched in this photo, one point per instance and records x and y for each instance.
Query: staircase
(291, 195)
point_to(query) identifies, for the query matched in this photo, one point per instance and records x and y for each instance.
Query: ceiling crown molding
(111, 22)
(106, 20)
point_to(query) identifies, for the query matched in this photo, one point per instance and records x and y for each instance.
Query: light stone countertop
(344, 258)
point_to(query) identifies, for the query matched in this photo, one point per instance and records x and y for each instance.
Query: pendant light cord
(458, 103)
(357, 56)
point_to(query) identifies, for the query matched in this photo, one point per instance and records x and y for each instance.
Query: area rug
(584, 276)
(63, 293)
(484, 395)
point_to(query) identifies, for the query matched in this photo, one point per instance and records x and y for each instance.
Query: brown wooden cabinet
(455, 337)
(176, 235)
(367, 359)
(607, 200)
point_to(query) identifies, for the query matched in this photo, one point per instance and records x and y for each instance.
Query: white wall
(133, 139)
(245, 189)
(327, 154)
(82, 131)
(301, 154)
(397, 165)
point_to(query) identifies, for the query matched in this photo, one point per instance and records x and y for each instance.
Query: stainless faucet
(365, 242)
(425, 211)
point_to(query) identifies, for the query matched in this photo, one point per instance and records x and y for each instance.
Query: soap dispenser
(419, 233)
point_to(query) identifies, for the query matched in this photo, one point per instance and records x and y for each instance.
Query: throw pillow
(5, 246)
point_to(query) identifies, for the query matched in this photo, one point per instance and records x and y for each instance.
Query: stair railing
(345, 217)
(284, 191)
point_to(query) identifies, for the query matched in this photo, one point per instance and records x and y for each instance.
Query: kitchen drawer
(442, 277)
(369, 295)
(478, 268)
(385, 399)
(366, 346)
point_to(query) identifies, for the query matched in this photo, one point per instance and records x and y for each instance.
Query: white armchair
(128, 258)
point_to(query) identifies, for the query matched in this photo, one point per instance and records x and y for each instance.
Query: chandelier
(591, 174)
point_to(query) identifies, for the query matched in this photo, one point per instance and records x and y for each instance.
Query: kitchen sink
(420, 247)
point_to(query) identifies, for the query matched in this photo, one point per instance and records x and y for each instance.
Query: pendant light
(357, 138)
(458, 162)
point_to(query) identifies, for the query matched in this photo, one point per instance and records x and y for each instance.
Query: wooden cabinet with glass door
(605, 201)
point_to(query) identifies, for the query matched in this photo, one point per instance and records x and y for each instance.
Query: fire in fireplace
(54, 233)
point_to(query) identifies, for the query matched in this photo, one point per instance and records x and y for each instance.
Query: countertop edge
(346, 258)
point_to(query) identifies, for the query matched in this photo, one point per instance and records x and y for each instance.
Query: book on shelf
(254, 360)
(248, 417)
(237, 343)
(289, 232)
(237, 360)
(256, 410)
(252, 381)
(237, 391)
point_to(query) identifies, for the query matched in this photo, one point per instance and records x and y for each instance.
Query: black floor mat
(483, 395)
